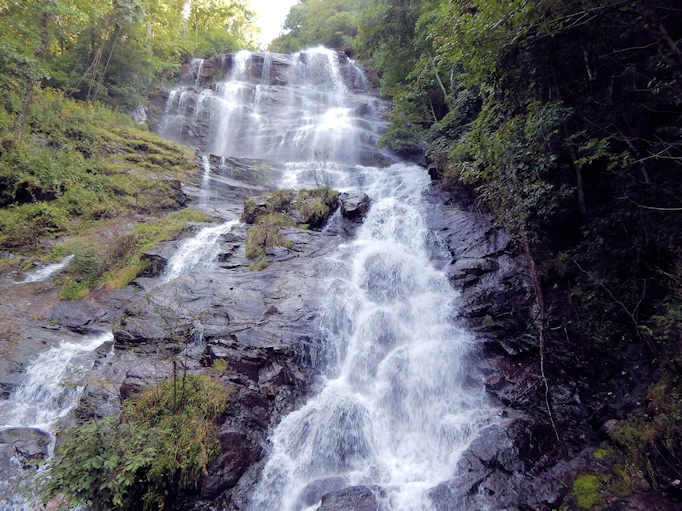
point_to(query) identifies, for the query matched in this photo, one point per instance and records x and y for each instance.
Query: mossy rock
(284, 208)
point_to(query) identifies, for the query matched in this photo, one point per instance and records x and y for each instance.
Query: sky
(271, 15)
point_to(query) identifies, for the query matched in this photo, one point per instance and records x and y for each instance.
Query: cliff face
(553, 447)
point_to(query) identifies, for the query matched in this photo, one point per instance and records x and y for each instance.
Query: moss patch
(260, 265)
(110, 256)
(283, 208)
(600, 454)
(587, 490)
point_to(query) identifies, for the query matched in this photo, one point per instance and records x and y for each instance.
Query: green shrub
(159, 445)
(266, 234)
(73, 290)
(260, 265)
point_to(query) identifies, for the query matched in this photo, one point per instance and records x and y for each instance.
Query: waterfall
(200, 250)
(401, 400)
(51, 387)
(48, 271)
(205, 179)
(312, 105)
(401, 396)
(197, 66)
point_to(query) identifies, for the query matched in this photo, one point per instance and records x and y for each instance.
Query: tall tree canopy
(113, 50)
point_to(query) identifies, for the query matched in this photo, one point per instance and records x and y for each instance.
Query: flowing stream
(401, 397)
(48, 271)
(52, 385)
(200, 250)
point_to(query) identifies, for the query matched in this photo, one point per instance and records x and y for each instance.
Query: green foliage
(652, 438)
(75, 171)
(587, 490)
(266, 233)
(260, 265)
(73, 290)
(159, 445)
(331, 23)
(113, 51)
(110, 256)
(284, 208)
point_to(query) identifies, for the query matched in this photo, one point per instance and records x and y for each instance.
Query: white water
(48, 271)
(401, 399)
(319, 110)
(205, 179)
(401, 396)
(201, 250)
(197, 66)
(52, 385)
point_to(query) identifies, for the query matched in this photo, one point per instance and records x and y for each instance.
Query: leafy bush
(111, 256)
(267, 234)
(159, 445)
(259, 266)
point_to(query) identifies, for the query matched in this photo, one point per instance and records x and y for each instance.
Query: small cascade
(175, 116)
(205, 179)
(51, 390)
(303, 107)
(201, 250)
(52, 385)
(48, 271)
(198, 66)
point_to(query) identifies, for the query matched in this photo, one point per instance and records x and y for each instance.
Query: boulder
(315, 490)
(354, 205)
(156, 258)
(29, 443)
(357, 498)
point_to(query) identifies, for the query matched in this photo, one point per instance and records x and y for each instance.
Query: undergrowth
(111, 256)
(283, 208)
(158, 446)
(81, 165)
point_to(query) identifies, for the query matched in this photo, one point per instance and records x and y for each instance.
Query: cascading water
(312, 105)
(400, 398)
(51, 388)
(48, 271)
(205, 179)
(200, 250)
(197, 66)
(399, 402)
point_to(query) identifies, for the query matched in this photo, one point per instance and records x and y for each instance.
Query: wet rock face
(315, 490)
(358, 498)
(520, 463)
(238, 454)
(27, 443)
(354, 205)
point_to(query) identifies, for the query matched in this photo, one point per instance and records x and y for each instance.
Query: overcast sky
(271, 15)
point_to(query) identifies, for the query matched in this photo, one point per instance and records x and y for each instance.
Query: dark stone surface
(354, 205)
(357, 498)
(238, 454)
(28, 443)
(315, 490)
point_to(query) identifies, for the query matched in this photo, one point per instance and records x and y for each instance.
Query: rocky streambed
(263, 325)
